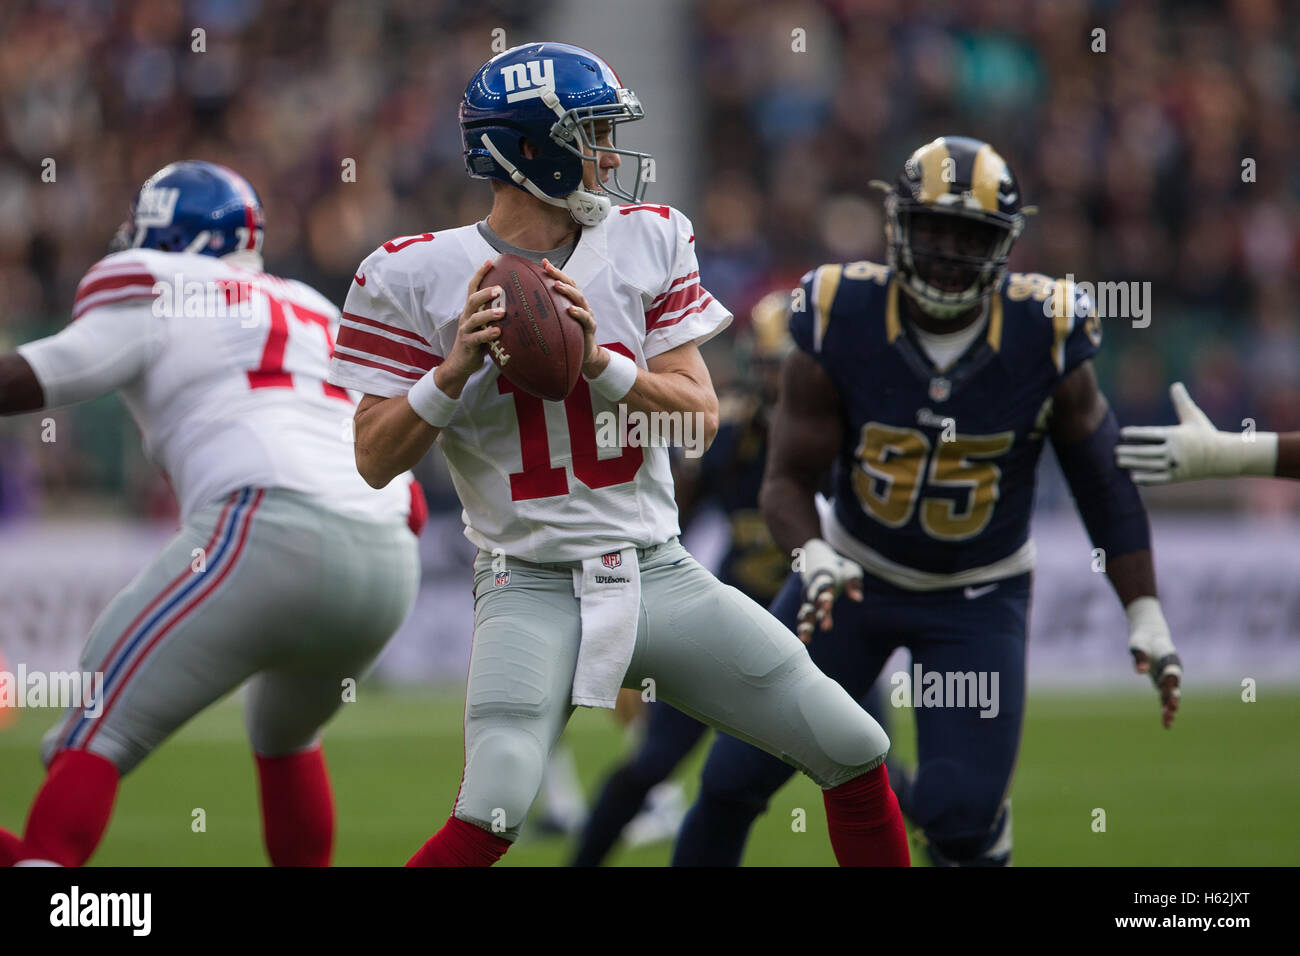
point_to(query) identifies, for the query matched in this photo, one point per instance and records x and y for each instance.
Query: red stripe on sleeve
(381, 347)
(137, 294)
(405, 333)
(675, 302)
(357, 360)
(88, 288)
(673, 284)
(699, 307)
(116, 267)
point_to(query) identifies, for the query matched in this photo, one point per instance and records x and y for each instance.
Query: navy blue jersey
(936, 468)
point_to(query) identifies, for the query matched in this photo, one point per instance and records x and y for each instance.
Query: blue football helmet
(551, 94)
(193, 206)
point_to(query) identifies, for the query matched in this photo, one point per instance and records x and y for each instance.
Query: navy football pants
(965, 760)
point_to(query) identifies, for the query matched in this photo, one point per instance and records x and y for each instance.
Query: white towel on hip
(609, 590)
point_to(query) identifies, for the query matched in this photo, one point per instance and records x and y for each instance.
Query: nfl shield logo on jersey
(611, 560)
(503, 578)
(940, 389)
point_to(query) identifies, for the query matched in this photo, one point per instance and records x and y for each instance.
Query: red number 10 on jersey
(539, 479)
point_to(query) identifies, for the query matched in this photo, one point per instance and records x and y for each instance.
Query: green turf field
(1220, 789)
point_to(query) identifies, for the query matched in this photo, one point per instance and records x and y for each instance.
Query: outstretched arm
(1084, 432)
(1195, 449)
(101, 351)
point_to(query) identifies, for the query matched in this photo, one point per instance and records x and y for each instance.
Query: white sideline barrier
(1230, 588)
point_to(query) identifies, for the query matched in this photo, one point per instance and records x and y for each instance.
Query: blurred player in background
(581, 585)
(1195, 449)
(929, 387)
(287, 569)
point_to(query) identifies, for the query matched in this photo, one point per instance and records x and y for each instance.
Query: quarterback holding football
(580, 586)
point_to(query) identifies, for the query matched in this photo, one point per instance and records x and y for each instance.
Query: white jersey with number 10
(531, 475)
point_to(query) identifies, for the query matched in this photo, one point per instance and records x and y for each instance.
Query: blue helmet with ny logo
(551, 95)
(194, 206)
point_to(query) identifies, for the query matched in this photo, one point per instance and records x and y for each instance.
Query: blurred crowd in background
(1166, 158)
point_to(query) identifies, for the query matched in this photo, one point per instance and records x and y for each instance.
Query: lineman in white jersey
(288, 568)
(580, 586)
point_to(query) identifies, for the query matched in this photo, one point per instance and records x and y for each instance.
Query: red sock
(297, 808)
(460, 844)
(71, 812)
(865, 822)
(11, 848)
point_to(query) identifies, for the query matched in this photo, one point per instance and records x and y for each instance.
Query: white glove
(1193, 449)
(826, 575)
(1154, 652)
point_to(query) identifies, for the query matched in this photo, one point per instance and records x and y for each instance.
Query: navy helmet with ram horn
(951, 218)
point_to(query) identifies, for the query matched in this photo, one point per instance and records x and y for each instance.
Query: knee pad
(502, 776)
(843, 731)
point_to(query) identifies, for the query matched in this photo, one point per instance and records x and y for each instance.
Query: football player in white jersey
(581, 586)
(288, 571)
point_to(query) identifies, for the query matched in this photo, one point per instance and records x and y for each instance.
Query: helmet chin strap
(586, 208)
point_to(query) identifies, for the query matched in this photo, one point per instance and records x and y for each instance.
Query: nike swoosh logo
(973, 593)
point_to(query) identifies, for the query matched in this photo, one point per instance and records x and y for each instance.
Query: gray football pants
(708, 650)
(261, 584)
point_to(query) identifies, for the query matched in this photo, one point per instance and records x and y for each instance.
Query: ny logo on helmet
(538, 74)
(156, 206)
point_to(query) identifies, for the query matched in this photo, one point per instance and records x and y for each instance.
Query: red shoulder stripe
(116, 281)
(686, 278)
(381, 347)
(675, 302)
(405, 333)
(698, 307)
(401, 372)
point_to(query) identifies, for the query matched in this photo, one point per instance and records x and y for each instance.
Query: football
(541, 345)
